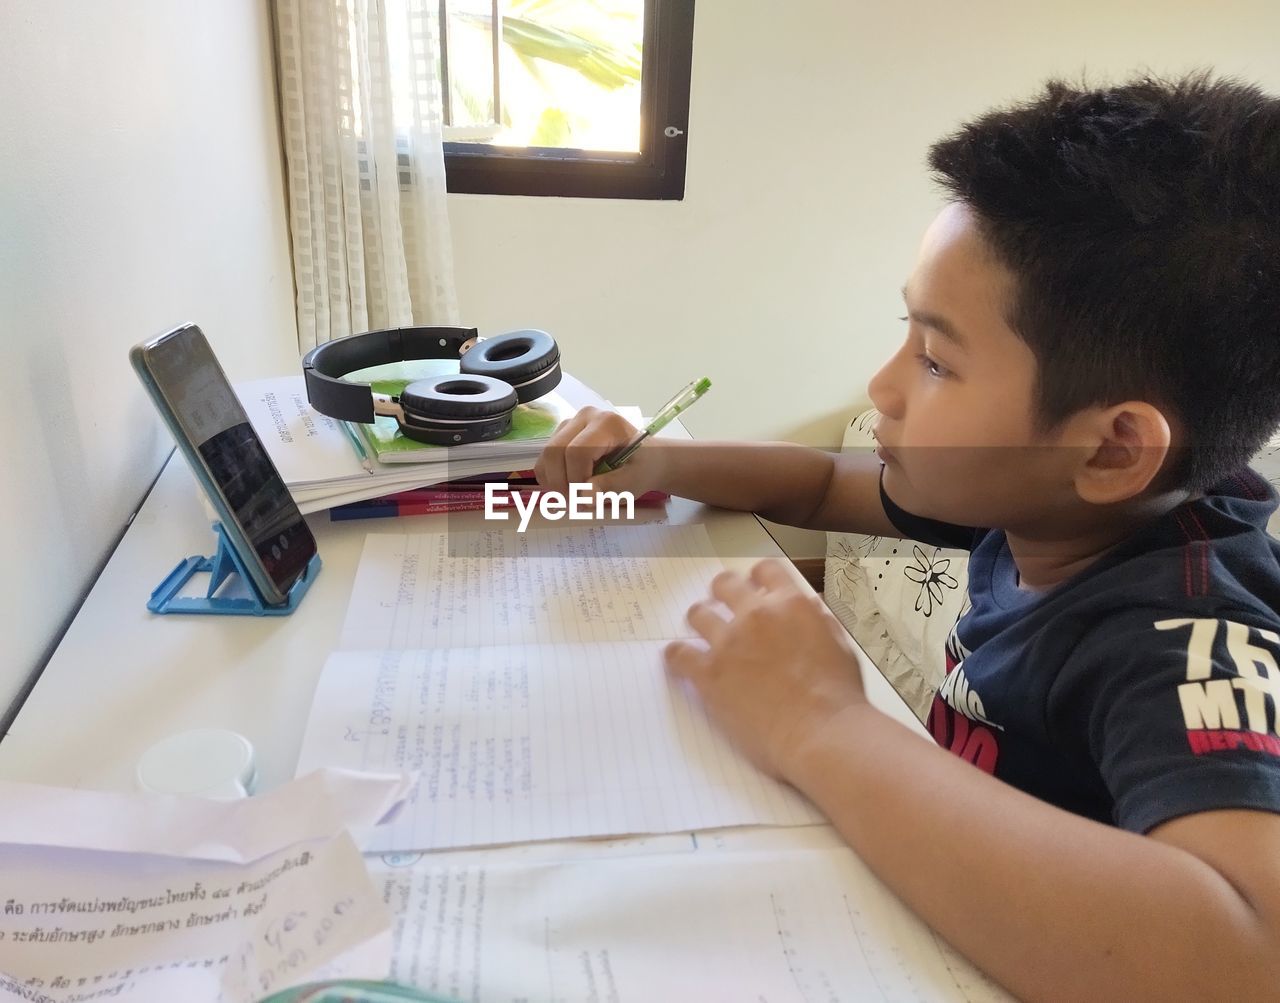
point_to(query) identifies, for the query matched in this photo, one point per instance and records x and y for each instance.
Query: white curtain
(360, 98)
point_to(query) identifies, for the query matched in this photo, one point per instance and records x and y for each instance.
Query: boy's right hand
(577, 444)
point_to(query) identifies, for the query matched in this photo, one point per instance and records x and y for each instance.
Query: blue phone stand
(243, 598)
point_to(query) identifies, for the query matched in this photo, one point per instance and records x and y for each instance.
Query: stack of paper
(520, 677)
(320, 458)
(152, 897)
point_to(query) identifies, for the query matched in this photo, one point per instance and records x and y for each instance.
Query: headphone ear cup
(528, 360)
(449, 410)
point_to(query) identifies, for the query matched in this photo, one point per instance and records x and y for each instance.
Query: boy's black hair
(1142, 225)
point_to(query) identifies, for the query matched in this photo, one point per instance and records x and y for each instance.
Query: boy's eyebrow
(940, 324)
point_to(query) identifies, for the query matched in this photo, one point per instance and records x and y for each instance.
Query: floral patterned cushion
(899, 599)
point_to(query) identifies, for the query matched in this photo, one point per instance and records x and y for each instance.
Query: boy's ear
(1128, 446)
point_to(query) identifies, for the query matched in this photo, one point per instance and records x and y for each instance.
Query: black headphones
(495, 375)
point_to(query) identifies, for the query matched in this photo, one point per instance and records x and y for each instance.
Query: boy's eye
(932, 368)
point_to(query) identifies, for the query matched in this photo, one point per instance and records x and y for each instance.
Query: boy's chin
(925, 503)
(894, 483)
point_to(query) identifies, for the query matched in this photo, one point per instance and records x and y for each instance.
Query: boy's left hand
(773, 674)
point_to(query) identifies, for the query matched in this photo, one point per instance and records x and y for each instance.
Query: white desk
(124, 678)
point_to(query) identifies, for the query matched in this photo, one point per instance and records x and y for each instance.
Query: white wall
(140, 186)
(778, 275)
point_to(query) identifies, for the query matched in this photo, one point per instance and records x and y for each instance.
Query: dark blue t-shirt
(1145, 687)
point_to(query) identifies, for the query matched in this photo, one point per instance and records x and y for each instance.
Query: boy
(1092, 355)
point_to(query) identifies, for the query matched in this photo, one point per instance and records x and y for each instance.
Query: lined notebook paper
(523, 678)
(466, 589)
(787, 926)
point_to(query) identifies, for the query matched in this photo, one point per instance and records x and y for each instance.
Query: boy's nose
(883, 392)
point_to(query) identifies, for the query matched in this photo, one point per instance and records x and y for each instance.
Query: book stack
(464, 495)
(326, 462)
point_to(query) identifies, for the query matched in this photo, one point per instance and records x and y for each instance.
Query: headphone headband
(324, 366)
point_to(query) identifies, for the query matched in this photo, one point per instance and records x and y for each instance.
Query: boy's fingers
(614, 480)
(603, 434)
(706, 621)
(571, 453)
(732, 589)
(684, 659)
(549, 469)
(580, 457)
(568, 429)
(772, 574)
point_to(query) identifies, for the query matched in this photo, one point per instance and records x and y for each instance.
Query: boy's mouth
(882, 451)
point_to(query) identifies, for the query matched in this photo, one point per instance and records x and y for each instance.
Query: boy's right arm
(784, 482)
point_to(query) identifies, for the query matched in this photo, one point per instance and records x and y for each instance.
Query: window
(582, 98)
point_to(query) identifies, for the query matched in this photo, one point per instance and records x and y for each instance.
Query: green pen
(680, 402)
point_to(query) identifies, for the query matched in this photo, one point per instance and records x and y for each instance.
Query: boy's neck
(1046, 562)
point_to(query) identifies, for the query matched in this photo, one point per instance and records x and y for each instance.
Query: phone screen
(188, 375)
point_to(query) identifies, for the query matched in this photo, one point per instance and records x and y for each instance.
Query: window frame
(656, 172)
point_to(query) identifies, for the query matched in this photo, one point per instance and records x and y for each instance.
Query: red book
(439, 498)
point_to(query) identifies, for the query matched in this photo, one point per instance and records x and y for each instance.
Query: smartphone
(260, 517)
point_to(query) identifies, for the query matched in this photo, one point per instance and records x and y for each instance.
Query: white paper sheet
(533, 742)
(306, 447)
(318, 805)
(467, 589)
(117, 896)
(787, 926)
